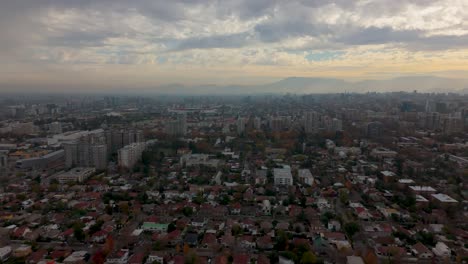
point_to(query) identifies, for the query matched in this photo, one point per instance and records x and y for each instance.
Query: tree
(225, 200)
(351, 228)
(78, 233)
(171, 227)
(308, 258)
(96, 227)
(344, 197)
(187, 211)
(98, 257)
(281, 241)
(108, 245)
(236, 230)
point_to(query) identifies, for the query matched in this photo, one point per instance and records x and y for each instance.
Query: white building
(336, 125)
(441, 250)
(283, 176)
(77, 257)
(443, 198)
(383, 153)
(75, 175)
(5, 253)
(199, 159)
(55, 128)
(129, 155)
(305, 176)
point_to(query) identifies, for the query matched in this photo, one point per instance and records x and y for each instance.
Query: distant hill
(308, 85)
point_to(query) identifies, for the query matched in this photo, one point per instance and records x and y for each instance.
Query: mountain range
(310, 85)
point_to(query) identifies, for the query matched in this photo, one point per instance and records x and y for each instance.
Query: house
(388, 176)
(334, 225)
(99, 236)
(191, 239)
(5, 253)
(441, 250)
(209, 240)
(60, 253)
(421, 251)
(283, 176)
(247, 242)
(155, 227)
(354, 260)
(266, 207)
(305, 176)
(283, 260)
(362, 213)
(37, 256)
(21, 232)
(77, 257)
(174, 237)
(136, 258)
(265, 242)
(323, 204)
(22, 251)
(198, 222)
(155, 257)
(227, 240)
(443, 200)
(118, 257)
(241, 259)
(390, 251)
(235, 208)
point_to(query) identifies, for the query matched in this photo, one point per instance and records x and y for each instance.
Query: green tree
(187, 211)
(351, 228)
(79, 233)
(308, 258)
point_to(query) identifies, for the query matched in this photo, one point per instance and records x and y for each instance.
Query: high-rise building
(55, 128)
(3, 158)
(278, 123)
(257, 123)
(374, 129)
(452, 125)
(129, 155)
(241, 125)
(177, 127)
(336, 125)
(118, 138)
(90, 150)
(311, 122)
(432, 120)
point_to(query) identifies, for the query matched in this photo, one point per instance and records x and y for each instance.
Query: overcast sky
(143, 43)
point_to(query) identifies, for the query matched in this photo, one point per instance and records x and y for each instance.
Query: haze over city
(229, 47)
(233, 131)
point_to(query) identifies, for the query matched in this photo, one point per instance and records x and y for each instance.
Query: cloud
(296, 35)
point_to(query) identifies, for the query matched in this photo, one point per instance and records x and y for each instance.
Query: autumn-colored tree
(108, 245)
(186, 248)
(98, 258)
(124, 208)
(370, 258)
